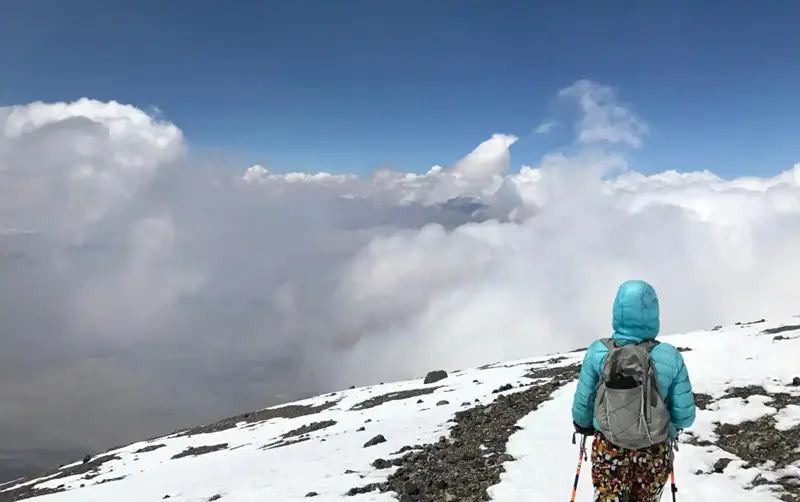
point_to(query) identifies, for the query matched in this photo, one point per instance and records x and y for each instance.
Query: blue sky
(348, 85)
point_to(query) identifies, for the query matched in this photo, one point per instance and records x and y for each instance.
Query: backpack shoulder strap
(610, 343)
(649, 344)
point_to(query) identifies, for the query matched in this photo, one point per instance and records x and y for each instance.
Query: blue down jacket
(636, 318)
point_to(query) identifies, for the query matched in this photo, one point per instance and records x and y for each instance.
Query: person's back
(617, 471)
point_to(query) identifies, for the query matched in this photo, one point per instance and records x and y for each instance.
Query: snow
(334, 458)
(788, 417)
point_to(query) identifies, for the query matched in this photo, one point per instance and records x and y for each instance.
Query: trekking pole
(674, 486)
(581, 456)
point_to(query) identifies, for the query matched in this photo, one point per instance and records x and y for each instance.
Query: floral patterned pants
(623, 475)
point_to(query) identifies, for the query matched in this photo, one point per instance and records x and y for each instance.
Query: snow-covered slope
(502, 431)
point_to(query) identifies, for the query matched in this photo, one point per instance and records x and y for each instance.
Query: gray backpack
(629, 408)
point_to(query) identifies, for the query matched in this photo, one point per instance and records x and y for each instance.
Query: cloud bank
(142, 292)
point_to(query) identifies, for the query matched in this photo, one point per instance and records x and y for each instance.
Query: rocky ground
(462, 466)
(757, 442)
(88, 469)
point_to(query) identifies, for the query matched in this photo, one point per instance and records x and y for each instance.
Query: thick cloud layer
(141, 292)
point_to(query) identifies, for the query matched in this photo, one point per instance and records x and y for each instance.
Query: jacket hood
(636, 312)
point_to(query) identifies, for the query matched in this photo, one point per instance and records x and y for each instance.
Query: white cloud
(545, 127)
(603, 118)
(229, 289)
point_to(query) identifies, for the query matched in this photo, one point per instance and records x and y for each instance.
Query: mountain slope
(501, 431)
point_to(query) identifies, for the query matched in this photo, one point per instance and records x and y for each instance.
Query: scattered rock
(361, 429)
(312, 494)
(381, 463)
(31, 490)
(214, 497)
(750, 322)
(716, 328)
(503, 388)
(287, 411)
(550, 372)
(684, 349)
(434, 376)
(757, 442)
(796, 381)
(702, 400)
(109, 480)
(781, 329)
(149, 448)
(87, 458)
(727, 429)
(312, 427)
(442, 402)
(194, 451)
(375, 440)
(392, 396)
(721, 464)
(463, 466)
(281, 443)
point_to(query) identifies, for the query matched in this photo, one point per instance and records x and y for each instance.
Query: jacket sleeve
(681, 397)
(583, 401)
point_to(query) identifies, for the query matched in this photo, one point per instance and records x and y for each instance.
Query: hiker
(632, 455)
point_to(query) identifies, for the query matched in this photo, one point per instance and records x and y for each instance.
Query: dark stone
(503, 388)
(149, 448)
(312, 427)
(375, 440)
(200, 450)
(721, 464)
(392, 396)
(381, 463)
(728, 429)
(702, 400)
(411, 488)
(434, 376)
(287, 411)
(781, 329)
